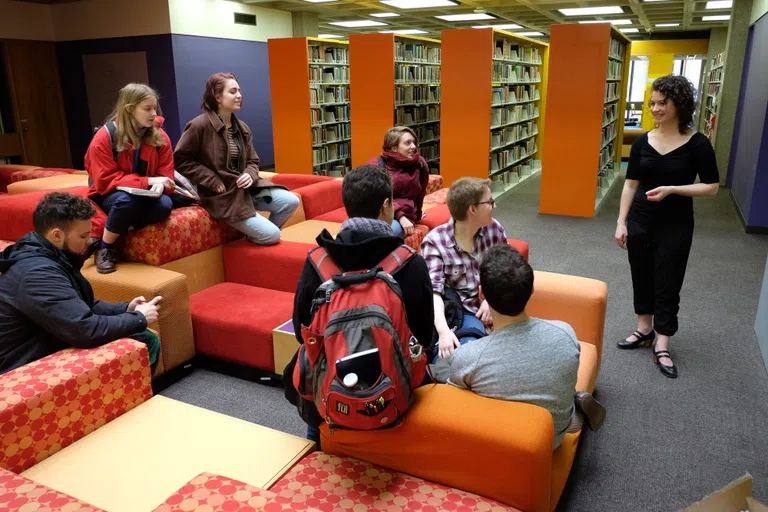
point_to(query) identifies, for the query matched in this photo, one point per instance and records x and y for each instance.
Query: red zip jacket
(106, 174)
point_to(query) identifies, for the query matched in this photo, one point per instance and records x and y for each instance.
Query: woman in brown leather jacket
(216, 153)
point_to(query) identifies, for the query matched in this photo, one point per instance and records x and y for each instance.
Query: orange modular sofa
(502, 450)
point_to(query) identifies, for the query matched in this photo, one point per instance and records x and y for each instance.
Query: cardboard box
(284, 345)
(735, 497)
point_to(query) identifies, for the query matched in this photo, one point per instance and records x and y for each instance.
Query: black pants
(658, 256)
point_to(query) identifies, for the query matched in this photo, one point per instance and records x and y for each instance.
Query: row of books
(501, 160)
(513, 114)
(611, 91)
(513, 134)
(405, 116)
(416, 74)
(502, 180)
(323, 75)
(609, 132)
(614, 70)
(330, 114)
(507, 50)
(430, 152)
(332, 133)
(711, 102)
(716, 75)
(331, 153)
(320, 95)
(609, 113)
(719, 60)
(328, 54)
(427, 132)
(606, 155)
(616, 49)
(417, 94)
(503, 72)
(514, 94)
(335, 170)
(414, 52)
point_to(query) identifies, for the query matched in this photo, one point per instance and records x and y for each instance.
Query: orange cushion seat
(33, 174)
(435, 183)
(438, 197)
(56, 181)
(186, 231)
(307, 231)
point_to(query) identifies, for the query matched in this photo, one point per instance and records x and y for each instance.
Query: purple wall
(196, 58)
(748, 172)
(161, 76)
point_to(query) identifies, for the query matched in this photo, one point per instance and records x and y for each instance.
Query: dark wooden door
(33, 73)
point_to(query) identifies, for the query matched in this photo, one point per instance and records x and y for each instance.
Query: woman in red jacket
(410, 175)
(141, 158)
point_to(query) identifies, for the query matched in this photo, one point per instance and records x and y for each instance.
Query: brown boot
(593, 411)
(106, 261)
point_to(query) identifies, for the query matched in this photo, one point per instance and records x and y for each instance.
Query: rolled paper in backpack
(350, 380)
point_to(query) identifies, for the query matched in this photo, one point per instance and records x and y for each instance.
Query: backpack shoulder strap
(325, 267)
(381, 162)
(111, 127)
(397, 259)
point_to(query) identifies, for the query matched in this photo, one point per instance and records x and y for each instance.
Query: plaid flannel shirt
(451, 266)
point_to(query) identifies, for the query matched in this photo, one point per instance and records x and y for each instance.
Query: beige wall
(718, 38)
(215, 18)
(97, 19)
(21, 20)
(759, 8)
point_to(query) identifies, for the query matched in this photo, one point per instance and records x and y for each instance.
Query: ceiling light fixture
(720, 4)
(358, 23)
(466, 17)
(722, 17)
(529, 34)
(592, 11)
(418, 4)
(404, 31)
(612, 22)
(667, 24)
(329, 36)
(508, 26)
(630, 30)
(385, 15)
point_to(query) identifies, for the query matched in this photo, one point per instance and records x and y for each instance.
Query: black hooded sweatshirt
(359, 250)
(47, 305)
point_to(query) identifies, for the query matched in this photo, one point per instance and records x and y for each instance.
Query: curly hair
(59, 210)
(682, 93)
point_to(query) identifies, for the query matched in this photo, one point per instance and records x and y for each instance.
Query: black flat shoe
(667, 371)
(642, 340)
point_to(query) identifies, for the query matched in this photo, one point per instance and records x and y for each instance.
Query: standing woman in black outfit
(655, 220)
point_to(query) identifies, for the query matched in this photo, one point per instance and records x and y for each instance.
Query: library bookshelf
(492, 106)
(584, 122)
(711, 102)
(395, 82)
(309, 85)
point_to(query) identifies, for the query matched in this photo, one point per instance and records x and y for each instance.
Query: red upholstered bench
(438, 197)
(276, 267)
(294, 181)
(234, 322)
(27, 172)
(16, 211)
(320, 198)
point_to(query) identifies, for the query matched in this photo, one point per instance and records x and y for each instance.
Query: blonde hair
(393, 136)
(464, 193)
(130, 96)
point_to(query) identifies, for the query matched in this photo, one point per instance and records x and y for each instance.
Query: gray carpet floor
(665, 443)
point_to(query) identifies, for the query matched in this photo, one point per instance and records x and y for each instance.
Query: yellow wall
(658, 65)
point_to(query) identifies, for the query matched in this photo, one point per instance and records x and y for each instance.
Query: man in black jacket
(365, 239)
(46, 304)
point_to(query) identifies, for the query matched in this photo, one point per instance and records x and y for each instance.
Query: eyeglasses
(491, 202)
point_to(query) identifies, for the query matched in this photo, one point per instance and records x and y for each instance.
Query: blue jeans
(263, 231)
(313, 434)
(125, 211)
(397, 228)
(470, 321)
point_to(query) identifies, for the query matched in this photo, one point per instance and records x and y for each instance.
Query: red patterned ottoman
(434, 183)
(187, 231)
(51, 403)
(414, 240)
(18, 493)
(330, 484)
(33, 174)
(214, 493)
(438, 197)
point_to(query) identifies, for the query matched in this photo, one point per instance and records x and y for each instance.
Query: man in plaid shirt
(453, 252)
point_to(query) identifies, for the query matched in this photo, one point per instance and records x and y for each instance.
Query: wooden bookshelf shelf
(398, 81)
(309, 83)
(494, 85)
(582, 147)
(714, 83)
